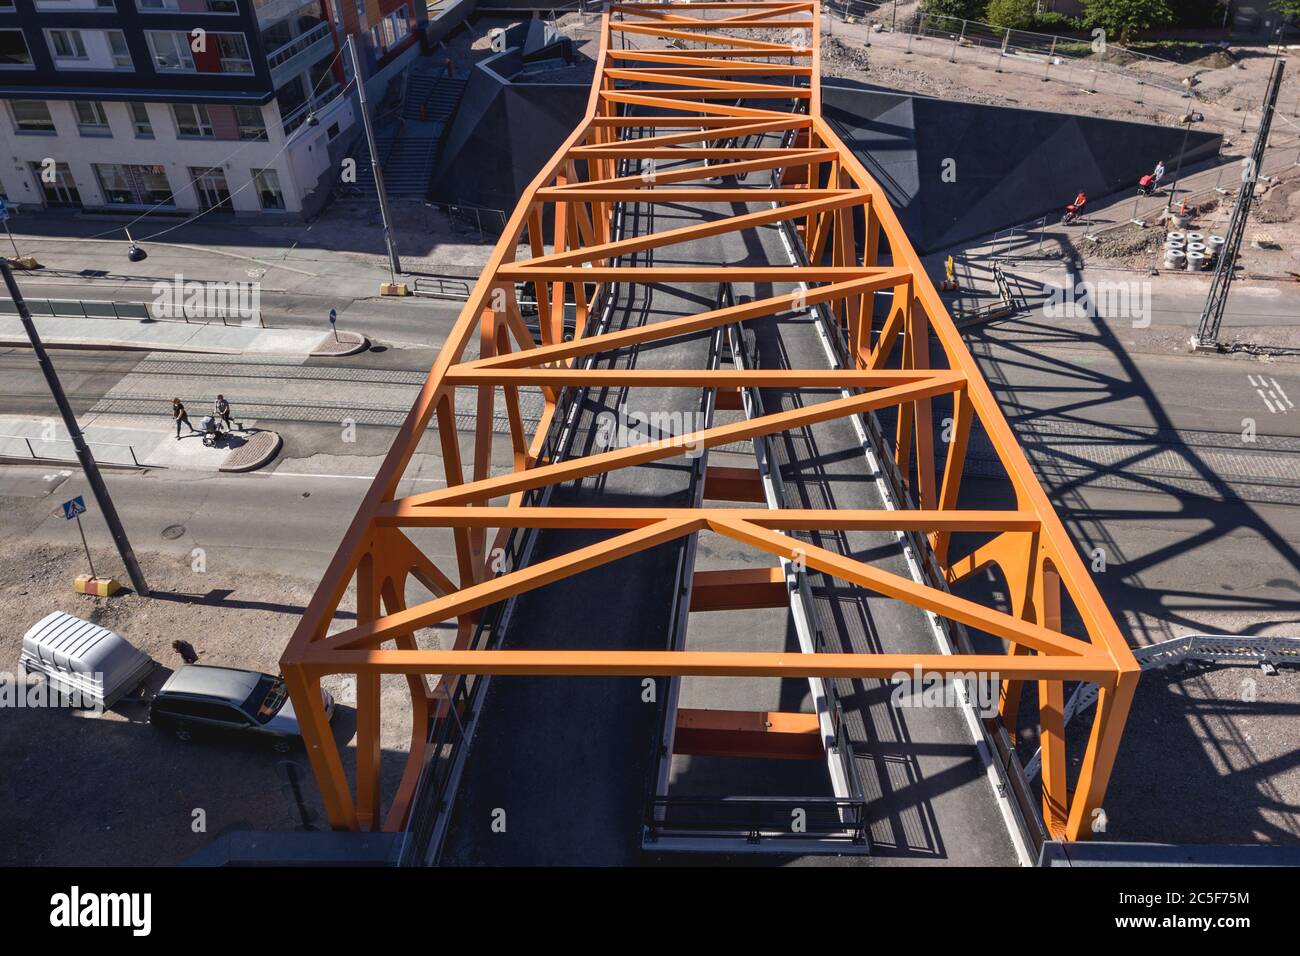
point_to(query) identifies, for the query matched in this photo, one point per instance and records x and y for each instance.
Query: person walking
(1158, 173)
(181, 417)
(221, 410)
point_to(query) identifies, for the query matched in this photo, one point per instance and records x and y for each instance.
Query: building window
(67, 44)
(121, 52)
(234, 53)
(57, 184)
(267, 184)
(395, 28)
(13, 50)
(91, 118)
(192, 121)
(140, 120)
(171, 52)
(167, 6)
(251, 124)
(134, 185)
(31, 116)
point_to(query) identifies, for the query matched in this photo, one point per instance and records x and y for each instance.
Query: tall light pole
(88, 465)
(394, 264)
(1191, 117)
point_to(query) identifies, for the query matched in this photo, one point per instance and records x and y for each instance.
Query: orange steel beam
(739, 590)
(732, 484)
(743, 733)
(728, 76)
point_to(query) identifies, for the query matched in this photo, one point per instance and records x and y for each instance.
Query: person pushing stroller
(221, 410)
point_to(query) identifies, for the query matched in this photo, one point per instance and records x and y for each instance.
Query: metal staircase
(410, 145)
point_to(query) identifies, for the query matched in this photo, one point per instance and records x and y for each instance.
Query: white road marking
(302, 474)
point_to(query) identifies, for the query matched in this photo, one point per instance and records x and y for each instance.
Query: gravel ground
(125, 794)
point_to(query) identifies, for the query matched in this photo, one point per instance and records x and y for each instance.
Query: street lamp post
(87, 460)
(394, 264)
(1189, 119)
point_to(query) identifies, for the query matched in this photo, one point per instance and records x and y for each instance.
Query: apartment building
(232, 106)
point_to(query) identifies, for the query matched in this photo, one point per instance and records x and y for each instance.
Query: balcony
(273, 11)
(299, 53)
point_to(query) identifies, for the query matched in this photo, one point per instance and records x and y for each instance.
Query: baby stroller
(212, 430)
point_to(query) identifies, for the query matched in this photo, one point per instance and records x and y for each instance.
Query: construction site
(796, 433)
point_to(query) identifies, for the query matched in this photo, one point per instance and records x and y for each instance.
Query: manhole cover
(173, 531)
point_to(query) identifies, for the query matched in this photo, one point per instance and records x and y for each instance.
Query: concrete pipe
(1175, 259)
(1196, 261)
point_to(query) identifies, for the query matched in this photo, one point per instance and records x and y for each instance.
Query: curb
(328, 348)
(116, 345)
(268, 454)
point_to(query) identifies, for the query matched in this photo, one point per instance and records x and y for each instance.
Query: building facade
(184, 104)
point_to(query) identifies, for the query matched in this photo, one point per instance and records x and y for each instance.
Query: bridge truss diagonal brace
(689, 87)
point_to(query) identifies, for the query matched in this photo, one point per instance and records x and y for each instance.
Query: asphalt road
(1206, 556)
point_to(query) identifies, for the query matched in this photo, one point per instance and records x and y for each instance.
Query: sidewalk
(170, 336)
(132, 440)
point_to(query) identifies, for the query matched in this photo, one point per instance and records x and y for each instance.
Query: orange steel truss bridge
(715, 277)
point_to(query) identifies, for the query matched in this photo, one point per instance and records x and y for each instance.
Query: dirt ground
(1271, 249)
(112, 790)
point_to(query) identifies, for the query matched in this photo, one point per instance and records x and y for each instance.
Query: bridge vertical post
(1051, 704)
(369, 753)
(1113, 703)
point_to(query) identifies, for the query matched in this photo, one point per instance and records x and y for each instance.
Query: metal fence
(138, 311)
(1086, 62)
(57, 455)
(488, 223)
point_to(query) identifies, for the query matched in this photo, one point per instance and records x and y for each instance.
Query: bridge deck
(568, 759)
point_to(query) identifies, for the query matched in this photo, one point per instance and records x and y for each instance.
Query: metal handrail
(496, 218)
(120, 310)
(446, 288)
(27, 439)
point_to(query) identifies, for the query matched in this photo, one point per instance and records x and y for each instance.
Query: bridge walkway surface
(567, 760)
(928, 793)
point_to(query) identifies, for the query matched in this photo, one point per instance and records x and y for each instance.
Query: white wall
(236, 157)
(308, 151)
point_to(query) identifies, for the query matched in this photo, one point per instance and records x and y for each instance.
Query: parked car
(201, 700)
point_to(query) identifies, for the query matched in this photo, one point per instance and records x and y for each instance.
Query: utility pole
(394, 264)
(1207, 334)
(88, 466)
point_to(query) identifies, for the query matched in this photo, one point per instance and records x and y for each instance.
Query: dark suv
(198, 699)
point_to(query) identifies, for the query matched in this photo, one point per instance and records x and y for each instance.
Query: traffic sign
(77, 506)
(334, 316)
(4, 210)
